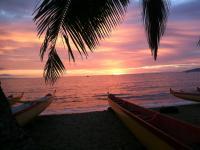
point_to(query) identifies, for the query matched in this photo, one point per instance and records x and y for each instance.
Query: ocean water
(89, 93)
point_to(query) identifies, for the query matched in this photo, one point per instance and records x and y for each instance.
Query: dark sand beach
(188, 113)
(93, 130)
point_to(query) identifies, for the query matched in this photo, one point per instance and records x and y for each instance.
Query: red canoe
(156, 131)
(185, 95)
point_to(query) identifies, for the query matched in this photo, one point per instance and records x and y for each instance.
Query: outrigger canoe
(25, 112)
(13, 100)
(156, 131)
(186, 95)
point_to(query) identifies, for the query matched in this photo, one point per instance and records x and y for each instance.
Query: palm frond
(54, 67)
(84, 22)
(70, 53)
(155, 14)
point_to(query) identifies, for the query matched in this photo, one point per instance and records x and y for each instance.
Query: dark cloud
(6, 75)
(2, 76)
(17, 6)
(16, 10)
(23, 55)
(5, 43)
(186, 11)
(3, 32)
(175, 31)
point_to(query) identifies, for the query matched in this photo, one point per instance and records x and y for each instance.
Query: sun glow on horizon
(110, 71)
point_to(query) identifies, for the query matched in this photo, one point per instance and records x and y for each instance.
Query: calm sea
(89, 93)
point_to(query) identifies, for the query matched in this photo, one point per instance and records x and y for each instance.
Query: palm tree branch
(155, 14)
(84, 23)
(53, 67)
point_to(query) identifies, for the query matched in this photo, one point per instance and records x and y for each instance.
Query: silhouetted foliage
(83, 23)
(53, 67)
(155, 18)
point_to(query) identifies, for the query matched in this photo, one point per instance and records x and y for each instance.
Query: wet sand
(93, 131)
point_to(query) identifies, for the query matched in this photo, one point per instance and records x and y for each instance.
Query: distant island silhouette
(6, 75)
(193, 70)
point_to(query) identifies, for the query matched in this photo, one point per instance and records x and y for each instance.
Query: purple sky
(126, 51)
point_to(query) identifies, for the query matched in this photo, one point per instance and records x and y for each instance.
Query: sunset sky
(125, 51)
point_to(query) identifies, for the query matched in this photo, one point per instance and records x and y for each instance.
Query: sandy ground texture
(187, 113)
(85, 131)
(93, 131)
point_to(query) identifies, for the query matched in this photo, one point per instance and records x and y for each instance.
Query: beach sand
(93, 130)
(188, 113)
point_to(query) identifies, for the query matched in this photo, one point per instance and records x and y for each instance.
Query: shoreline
(106, 108)
(100, 130)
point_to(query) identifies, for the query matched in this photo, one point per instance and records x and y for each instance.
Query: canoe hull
(186, 96)
(14, 100)
(155, 130)
(26, 115)
(142, 134)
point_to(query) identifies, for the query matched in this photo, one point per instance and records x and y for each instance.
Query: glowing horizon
(109, 71)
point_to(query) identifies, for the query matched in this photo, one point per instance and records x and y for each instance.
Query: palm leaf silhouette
(81, 22)
(155, 18)
(54, 66)
(84, 23)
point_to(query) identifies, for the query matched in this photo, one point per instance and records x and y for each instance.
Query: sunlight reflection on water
(84, 94)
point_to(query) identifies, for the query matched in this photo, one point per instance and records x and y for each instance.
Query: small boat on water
(186, 95)
(156, 131)
(30, 109)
